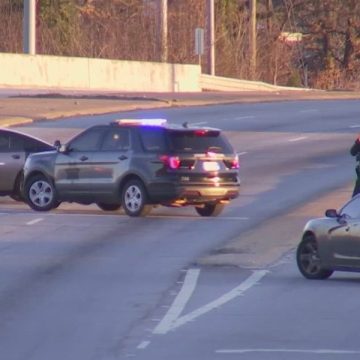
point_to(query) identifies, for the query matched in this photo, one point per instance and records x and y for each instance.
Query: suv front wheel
(40, 193)
(210, 209)
(134, 199)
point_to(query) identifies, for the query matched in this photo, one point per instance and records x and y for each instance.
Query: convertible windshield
(352, 208)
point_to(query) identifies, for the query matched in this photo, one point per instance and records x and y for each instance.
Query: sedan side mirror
(331, 213)
(62, 148)
(57, 145)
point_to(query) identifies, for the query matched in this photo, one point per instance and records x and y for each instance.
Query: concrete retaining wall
(19, 70)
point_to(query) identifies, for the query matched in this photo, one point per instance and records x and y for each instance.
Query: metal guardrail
(218, 83)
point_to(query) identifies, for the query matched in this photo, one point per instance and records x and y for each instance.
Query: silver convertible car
(14, 149)
(331, 243)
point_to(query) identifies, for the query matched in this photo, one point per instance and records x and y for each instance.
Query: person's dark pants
(357, 183)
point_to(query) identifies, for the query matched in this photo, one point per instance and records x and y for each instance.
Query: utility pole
(253, 39)
(29, 27)
(210, 36)
(269, 25)
(163, 5)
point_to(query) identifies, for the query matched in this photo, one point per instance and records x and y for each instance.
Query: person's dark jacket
(355, 149)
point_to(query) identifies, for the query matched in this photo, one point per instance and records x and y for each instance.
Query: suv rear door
(113, 159)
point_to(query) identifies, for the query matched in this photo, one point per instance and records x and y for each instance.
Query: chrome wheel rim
(41, 193)
(309, 258)
(133, 198)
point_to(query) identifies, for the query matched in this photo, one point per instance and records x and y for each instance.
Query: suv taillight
(233, 163)
(172, 162)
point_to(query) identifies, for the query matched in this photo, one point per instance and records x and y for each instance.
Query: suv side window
(116, 139)
(88, 140)
(153, 139)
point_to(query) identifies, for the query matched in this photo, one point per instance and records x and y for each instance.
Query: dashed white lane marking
(172, 320)
(199, 123)
(298, 139)
(143, 345)
(244, 117)
(242, 153)
(35, 221)
(304, 351)
(354, 126)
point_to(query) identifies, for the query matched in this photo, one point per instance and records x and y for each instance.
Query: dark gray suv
(136, 164)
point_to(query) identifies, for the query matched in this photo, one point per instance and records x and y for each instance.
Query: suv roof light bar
(148, 122)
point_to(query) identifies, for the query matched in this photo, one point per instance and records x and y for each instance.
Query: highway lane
(82, 284)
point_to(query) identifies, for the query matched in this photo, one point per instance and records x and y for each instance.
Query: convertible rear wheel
(308, 260)
(210, 209)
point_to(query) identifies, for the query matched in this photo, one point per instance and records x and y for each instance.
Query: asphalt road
(78, 283)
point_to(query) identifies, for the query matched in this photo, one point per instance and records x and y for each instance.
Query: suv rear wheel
(40, 193)
(134, 199)
(210, 209)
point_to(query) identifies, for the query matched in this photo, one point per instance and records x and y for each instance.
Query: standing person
(355, 151)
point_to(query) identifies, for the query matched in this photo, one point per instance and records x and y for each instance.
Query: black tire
(40, 193)
(210, 209)
(16, 194)
(108, 207)
(308, 260)
(134, 199)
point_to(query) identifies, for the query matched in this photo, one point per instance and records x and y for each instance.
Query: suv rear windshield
(155, 139)
(199, 141)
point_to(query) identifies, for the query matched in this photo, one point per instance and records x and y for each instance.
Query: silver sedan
(14, 149)
(331, 243)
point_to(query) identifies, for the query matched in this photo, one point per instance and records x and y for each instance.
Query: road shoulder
(265, 245)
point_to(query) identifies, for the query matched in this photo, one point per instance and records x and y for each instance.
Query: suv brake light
(233, 163)
(172, 162)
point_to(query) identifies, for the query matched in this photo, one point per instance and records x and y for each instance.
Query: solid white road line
(309, 111)
(35, 221)
(179, 303)
(252, 280)
(172, 320)
(310, 351)
(298, 139)
(155, 216)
